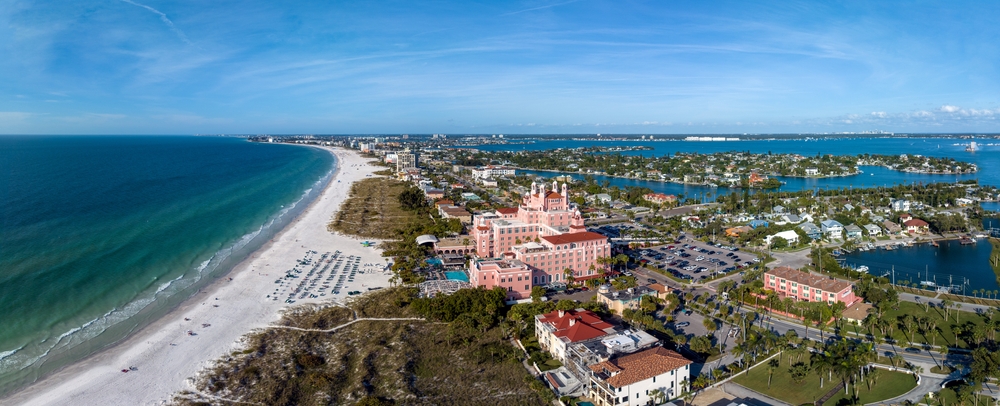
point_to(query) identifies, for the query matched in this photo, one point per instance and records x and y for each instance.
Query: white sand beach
(164, 355)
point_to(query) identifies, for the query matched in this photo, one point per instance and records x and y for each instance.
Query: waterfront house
(873, 230)
(812, 171)
(903, 218)
(892, 228)
(852, 232)
(557, 329)
(806, 287)
(812, 230)
(832, 229)
(916, 226)
(660, 198)
(631, 379)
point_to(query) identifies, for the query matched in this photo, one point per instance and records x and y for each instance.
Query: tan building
(619, 300)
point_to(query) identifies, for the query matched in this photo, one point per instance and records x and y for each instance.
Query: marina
(960, 267)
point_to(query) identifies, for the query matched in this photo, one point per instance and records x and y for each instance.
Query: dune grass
(370, 362)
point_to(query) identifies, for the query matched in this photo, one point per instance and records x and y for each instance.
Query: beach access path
(165, 357)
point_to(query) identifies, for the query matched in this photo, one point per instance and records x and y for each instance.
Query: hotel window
(795, 284)
(805, 288)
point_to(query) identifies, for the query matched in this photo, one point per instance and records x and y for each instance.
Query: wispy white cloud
(538, 8)
(164, 18)
(950, 109)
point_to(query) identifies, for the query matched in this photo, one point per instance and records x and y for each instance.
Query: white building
(789, 235)
(900, 205)
(632, 379)
(832, 228)
(491, 171)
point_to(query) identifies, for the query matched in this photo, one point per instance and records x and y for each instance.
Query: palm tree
(946, 305)
(958, 313)
(657, 396)
(568, 277)
(771, 366)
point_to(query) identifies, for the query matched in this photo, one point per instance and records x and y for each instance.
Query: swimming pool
(457, 276)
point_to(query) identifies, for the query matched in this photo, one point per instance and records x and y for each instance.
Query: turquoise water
(101, 235)
(457, 276)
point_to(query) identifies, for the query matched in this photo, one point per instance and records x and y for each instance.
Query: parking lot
(694, 260)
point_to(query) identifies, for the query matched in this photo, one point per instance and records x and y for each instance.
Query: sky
(482, 67)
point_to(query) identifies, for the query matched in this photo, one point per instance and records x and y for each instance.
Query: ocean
(101, 235)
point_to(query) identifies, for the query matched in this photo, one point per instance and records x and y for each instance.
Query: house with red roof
(632, 379)
(916, 226)
(558, 329)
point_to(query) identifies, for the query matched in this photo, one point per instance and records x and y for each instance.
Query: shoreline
(166, 358)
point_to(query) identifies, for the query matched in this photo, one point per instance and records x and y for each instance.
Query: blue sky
(588, 66)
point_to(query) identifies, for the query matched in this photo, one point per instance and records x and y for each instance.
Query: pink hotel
(532, 244)
(806, 287)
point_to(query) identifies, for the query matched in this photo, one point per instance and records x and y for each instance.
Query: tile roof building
(660, 198)
(557, 329)
(806, 287)
(544, 234)
(629, 379)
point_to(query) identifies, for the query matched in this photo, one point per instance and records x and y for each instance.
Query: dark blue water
(988, 160)
(965, 266)
(100, 235)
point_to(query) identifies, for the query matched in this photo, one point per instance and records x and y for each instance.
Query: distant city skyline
(525, 67)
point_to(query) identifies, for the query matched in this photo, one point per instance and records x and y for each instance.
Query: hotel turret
(534, 243)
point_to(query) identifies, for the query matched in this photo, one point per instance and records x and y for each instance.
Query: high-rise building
(405, 160)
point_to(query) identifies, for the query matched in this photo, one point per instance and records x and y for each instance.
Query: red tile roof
(633, 368)
(823, 283)
(574, 237)
(553, 195)
(577, 325)
(915, 223)
(507, 210)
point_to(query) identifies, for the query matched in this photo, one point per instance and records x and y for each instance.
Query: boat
(862, 268)
(935, 243)
(966, 240)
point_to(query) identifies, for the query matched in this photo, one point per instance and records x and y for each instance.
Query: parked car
(683, 324)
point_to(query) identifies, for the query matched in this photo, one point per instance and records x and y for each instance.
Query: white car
(700, 258)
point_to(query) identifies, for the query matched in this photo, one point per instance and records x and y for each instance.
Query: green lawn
(943, 337)
(890, 384)
(947, 397)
